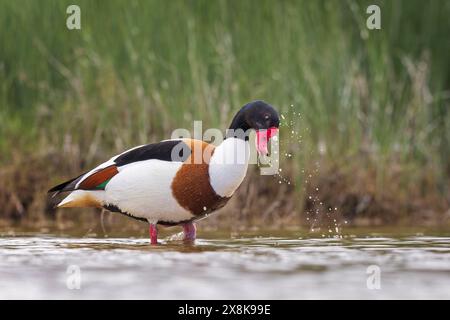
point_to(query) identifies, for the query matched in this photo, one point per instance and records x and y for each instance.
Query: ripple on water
(275, 267)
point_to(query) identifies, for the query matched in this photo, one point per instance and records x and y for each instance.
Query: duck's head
(259, 116)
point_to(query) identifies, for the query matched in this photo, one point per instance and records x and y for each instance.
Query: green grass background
(139, 69)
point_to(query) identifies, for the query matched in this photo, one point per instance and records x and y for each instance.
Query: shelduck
(174, 182)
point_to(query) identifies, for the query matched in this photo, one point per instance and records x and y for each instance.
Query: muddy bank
(331, 197)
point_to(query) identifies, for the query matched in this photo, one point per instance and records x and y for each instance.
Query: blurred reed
(366, 113)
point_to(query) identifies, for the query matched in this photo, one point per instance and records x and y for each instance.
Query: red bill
(262, 138)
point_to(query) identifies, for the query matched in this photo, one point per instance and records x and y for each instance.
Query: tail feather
(65, 203)
(80, 198)
(65, 186)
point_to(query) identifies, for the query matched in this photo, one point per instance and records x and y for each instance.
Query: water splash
(320, 216)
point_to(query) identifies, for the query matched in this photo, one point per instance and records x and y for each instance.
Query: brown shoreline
(352, 194)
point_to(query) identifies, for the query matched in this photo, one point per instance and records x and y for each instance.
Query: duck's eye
(266, 116)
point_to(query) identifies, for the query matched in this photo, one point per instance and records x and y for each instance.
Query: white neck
(228, 166)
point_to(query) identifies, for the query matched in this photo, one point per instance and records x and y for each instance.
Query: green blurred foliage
(139, 69)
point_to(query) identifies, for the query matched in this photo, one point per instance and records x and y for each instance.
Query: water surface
(250, 268)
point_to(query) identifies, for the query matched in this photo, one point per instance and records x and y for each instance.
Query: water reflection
(248, 267)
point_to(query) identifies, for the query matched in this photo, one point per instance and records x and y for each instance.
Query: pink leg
(190, 231)
(153, 233)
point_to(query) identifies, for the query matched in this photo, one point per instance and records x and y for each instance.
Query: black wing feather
(66, 186)
(159, 151)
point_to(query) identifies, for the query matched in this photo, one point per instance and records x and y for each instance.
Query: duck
(178, 181)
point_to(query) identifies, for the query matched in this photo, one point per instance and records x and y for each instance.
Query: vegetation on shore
(366, 130)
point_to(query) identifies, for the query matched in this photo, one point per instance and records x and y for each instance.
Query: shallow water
(273, 268)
